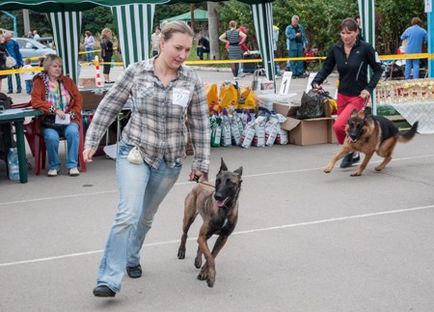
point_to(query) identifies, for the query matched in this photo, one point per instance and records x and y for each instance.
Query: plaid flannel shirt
(157, 124)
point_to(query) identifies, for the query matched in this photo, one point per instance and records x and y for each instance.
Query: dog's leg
(198, 259)
(190, 214)
(341, 153)
(223, 237)
(385, 151)
(208, 270)
(363, 165)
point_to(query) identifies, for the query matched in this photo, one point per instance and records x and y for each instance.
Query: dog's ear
(239, 171)
(354, 113)
(223, 166)
(362, 114)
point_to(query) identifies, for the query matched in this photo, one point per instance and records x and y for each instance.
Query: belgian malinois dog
(368, 134)
(218, 207)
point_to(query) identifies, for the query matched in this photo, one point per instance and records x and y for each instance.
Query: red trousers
(346, 104)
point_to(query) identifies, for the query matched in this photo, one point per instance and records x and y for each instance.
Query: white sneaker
(53, 172)
(73, 172)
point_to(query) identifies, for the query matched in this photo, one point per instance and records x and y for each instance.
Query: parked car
(33, 49)
(46, 41)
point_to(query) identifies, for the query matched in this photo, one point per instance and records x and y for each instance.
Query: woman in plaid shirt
(165, 93)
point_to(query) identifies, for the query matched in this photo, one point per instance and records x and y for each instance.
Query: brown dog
(218, 207)
(368, 134)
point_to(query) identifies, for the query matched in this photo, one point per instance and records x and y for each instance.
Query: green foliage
(165, 11)
(39, 21)
(97, 19)
(392, 20)
(320, 18)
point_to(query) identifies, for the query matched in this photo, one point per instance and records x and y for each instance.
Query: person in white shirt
(89, 42)
(28, 75)
(36, 35)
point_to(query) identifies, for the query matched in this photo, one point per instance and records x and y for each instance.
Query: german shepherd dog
(368, 134)
(218, 207)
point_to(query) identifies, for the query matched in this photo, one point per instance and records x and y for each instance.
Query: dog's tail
(406, 136)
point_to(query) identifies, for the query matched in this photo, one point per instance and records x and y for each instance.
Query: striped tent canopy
(47, 6)
(65, 18)
(134, 24)
(134, 34)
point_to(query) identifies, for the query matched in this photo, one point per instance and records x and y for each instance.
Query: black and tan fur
(368, 134)
(218, 207)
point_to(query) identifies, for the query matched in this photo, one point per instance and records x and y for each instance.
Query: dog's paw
(327, 170)
(356, 174)
(379, 168)
(203, 275)
(181, 253)
(198, 262)
(210, 282)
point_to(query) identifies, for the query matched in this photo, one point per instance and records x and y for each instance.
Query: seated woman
(58, 97)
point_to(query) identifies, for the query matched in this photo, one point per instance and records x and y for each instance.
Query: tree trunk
(213, 30)
(192, 25)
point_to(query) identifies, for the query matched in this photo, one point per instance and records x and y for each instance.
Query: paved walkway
(305, 241)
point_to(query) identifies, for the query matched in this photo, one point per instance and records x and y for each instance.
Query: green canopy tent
(134, 25)
(199, 15)
(65, 18)
(134, 34)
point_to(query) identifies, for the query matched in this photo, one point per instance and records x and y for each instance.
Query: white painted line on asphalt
(272, 228)
(187, 182)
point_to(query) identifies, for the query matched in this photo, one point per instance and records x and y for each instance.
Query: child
(28, 76)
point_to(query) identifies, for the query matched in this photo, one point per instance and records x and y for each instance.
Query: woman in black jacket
(106, 52)
(351, 57)
(3, 55)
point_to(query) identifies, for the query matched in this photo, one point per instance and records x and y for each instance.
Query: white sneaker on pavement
(73, 172)
(53, 172)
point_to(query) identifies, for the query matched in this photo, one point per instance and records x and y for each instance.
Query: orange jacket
(39, 101)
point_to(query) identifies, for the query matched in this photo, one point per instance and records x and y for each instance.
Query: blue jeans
(89, 55)
(141, 190)
(409, 64)
(29, 86)
(297, 67)
(10, 83)
(51, 138)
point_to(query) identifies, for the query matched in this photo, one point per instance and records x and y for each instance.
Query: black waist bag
(49, 121)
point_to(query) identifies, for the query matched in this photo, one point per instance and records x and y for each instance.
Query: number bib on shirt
(181, 97)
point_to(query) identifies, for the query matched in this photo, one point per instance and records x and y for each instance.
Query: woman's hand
(196, 175)
(60, 113)
(316, 86)
(365, 94)
(88, 155)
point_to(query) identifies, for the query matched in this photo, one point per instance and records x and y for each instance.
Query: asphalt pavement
(305, 240)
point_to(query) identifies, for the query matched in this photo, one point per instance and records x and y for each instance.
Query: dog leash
(365, 104)
(196, 179)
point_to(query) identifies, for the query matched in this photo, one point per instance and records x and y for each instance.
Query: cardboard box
(331, 135)
(91, 99)
(310, 131)
(306, 131)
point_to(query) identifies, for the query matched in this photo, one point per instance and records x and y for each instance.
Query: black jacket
(353, 72)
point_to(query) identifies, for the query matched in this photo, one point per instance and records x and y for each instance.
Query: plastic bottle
(14, 169)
